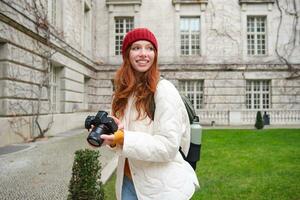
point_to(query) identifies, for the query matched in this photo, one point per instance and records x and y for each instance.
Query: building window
(190, 35)
(54, 89)
(256, 35)
(122, 26)
(193, 89)
(87, 30)
(86, 92)
(55, 13)
(258, 94)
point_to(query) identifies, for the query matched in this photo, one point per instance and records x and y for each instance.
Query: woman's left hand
(108, 139)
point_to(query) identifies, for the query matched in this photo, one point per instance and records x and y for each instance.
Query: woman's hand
(118, 122)
(107, 139)
(110, 139)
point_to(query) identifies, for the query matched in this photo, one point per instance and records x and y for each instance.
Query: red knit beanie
(138, 34)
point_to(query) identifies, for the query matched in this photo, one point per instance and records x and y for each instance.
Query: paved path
(43, 170)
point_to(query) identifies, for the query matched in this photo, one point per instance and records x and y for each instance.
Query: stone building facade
(58, 59)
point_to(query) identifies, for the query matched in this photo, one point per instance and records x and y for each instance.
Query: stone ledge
(123, 2)
(256, 1)
(189, 1)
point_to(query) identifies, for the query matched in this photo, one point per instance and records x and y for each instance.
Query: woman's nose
(143, 52)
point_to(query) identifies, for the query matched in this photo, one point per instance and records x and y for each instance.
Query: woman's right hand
(118, 122)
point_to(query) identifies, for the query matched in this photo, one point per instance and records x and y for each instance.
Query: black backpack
(193, 155)
(189, 108)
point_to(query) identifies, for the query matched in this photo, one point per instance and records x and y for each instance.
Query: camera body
(102, 125)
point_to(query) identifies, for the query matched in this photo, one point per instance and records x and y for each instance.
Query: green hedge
(85, 183)
(259, 123)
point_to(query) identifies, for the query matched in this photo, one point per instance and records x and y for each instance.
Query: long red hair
(143, 88)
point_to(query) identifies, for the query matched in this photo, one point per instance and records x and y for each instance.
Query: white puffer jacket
(158, 170)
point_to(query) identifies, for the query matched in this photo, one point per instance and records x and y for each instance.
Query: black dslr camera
(102, 125)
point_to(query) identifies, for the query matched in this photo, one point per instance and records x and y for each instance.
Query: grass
(109, 188)
(246, 164)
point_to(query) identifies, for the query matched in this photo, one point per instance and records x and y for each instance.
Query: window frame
(121, 34)
(195, 95)
(255, 35)
(86, 84)
(256, 92)
(87, 28)
(190, 40)
(55, 87)
(55, 13)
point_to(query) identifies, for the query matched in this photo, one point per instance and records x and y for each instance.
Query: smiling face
(141, 55)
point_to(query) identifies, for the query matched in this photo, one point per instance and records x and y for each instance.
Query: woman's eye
(135, 48)
(151, 48)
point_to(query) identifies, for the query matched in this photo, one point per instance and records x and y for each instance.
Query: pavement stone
(43, 170)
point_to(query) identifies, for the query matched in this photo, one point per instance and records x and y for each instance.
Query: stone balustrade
(248, 117)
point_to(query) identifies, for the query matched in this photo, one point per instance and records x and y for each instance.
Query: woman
(153, 124)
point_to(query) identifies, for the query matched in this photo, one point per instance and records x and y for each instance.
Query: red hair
(127, 84)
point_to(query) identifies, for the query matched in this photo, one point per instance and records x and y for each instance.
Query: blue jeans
(128, 191)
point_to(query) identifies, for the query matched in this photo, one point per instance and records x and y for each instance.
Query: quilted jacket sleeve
(169, 125)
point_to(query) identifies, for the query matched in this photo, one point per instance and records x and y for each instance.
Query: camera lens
(94, 136)
(93, 142)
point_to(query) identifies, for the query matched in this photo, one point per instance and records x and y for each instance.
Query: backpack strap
(182, 154)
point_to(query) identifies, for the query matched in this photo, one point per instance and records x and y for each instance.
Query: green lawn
(246, 164)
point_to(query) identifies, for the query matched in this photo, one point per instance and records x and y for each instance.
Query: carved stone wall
(85, 75)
